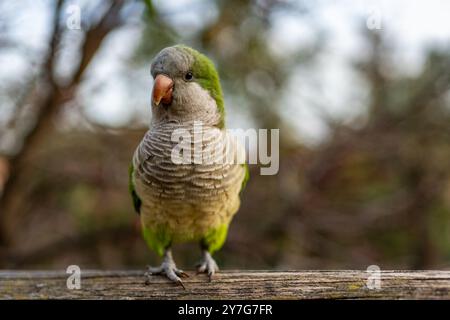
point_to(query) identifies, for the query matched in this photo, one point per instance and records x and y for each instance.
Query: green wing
(136, 201)
(246, 177)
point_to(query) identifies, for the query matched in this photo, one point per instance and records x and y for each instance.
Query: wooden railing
(343, 284)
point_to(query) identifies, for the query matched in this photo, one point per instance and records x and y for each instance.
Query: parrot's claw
(207, 265)
(181, 284)
(170, 270)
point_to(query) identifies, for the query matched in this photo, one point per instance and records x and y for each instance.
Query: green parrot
(193, 200)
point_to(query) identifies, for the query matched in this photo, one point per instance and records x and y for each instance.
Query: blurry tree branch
(47, 96)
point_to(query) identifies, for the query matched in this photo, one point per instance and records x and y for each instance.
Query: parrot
(192, 201)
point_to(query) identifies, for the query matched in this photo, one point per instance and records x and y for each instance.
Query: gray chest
(169, 167)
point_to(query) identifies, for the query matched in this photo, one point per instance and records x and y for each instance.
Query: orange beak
(162, 90)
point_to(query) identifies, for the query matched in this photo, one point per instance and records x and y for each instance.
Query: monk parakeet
(188, 201)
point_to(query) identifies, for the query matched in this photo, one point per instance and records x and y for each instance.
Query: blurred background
(359, 89)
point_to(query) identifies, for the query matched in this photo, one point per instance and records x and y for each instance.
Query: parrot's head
(186, 87)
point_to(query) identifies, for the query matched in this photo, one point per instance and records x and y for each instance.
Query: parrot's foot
(207, 265)
(169, 269)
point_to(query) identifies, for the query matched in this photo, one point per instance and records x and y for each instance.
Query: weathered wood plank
(343, 284)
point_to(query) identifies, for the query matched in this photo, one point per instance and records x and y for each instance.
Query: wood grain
(343, 284)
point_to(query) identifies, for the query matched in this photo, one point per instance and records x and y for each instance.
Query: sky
(411, 26)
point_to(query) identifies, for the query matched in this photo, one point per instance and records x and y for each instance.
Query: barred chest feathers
(188, 199)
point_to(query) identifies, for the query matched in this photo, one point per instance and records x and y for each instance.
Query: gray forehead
(171, 60)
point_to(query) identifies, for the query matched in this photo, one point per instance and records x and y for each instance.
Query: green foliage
(439, 226)
(82, 200)
(157, 34)
(150, 10)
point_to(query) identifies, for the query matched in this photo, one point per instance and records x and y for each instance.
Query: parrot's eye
(188, 76)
